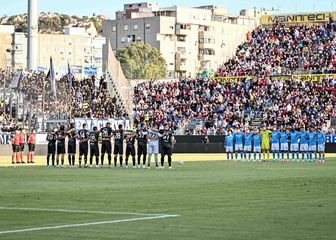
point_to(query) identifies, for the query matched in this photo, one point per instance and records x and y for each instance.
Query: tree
(142, 61)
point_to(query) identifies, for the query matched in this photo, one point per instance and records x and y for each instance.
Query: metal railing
(117, 83)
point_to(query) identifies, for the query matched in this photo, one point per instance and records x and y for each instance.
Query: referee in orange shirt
(31, 146)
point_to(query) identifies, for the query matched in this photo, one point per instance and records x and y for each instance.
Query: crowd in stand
(87, 97)
(283, 50)
(235, 104)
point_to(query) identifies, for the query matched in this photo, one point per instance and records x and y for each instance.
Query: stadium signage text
(101, 122)
(297, 18)
(302, 77)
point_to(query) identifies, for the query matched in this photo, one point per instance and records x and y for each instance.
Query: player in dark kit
(106, 134)
(60, 137)
(94, 146)
(142, 144)
(130, 148)
(72, 135)
(118, 145)
(167, 144)
(83, 137)
(51, 139)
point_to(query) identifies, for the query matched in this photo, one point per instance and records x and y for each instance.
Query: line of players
(310, 144)
(18, 146)
(148, 141)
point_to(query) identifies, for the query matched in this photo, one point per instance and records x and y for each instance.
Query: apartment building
(189, 39)
(83, 53)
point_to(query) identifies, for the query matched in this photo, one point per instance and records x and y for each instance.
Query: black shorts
(21, 147)
(51, 148)
(94, 150)
(72, 148)
(60, 149)
(106, 147)
(16, 148)
(142, 149)
(31, 147)
(130, 150)
(166, 149)
(83, 149)
(118, 149)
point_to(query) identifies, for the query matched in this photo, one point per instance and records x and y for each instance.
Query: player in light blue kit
(275, 144)
(256, 145)
(312, 145)
(153, 147)
(321, 146)
(294, 145)
(247, 144)
(284, 134)
(304, 144)
(238, 140)
(228, 143)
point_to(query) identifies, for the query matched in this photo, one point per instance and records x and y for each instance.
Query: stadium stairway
(117, 84)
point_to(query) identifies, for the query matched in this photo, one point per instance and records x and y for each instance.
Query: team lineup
(310, 144)
(149, 141)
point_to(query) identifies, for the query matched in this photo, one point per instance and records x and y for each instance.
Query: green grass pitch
(213, 200)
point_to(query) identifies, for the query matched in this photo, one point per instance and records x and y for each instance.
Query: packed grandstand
(211, 105)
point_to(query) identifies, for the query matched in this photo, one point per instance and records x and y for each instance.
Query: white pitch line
(87, 224)
(78, 211)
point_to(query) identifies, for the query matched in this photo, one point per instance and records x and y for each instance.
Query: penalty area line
(87, 224)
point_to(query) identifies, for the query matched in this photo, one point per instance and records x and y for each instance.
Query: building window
(125, 28)
(135, 27)
(147, 26)
(123, 40)
(114, 28)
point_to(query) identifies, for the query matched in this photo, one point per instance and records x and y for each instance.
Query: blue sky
(108, 7)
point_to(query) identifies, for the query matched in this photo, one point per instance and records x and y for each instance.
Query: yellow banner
(299, 18)
(302, 77)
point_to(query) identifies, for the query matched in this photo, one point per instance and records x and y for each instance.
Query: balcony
(180, 56)
(182, 29)
(181, 66)
(206, 45)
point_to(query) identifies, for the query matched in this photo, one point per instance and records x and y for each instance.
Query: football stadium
(150, 120)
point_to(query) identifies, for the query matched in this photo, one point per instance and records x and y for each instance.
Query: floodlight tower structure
(32, 54)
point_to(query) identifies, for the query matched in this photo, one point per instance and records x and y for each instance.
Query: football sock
(102, 159)
(73, 160)
(278, 154)
(169, 160)
(259, 156)
(97, 160)
(273, 153)
(80, 161)
(144, 159)
(162, 160)
(109, 159)
(48, 159)
(53, 159)
(121, 161)
(115, 160)
(297, 155)
(236, 155)
(255, 156)
(156, 157)
(70, 159)
(133, 160)
(149, 159)
(139, 159)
